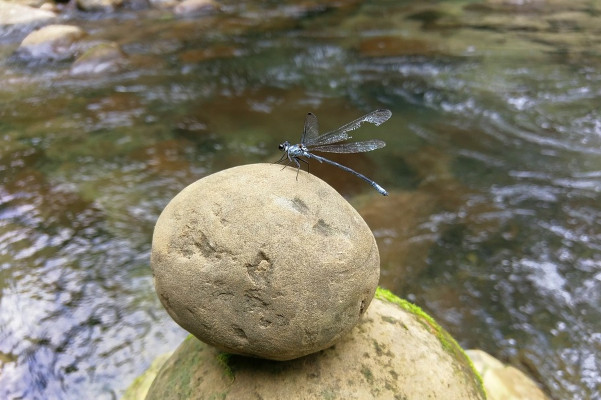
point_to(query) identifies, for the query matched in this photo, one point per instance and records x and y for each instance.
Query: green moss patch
(223, 360)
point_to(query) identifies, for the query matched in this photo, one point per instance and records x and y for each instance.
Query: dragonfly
(330, 142)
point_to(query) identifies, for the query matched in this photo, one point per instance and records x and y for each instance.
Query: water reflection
(493, 158)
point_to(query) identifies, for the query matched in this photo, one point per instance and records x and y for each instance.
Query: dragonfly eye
(283, 146)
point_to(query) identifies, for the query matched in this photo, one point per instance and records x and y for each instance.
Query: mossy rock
(395, 352)
(139, 387)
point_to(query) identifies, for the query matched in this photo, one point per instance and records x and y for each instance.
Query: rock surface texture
(257, 262)
(396, 352)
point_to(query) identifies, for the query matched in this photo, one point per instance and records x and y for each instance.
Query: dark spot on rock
(322, 227)
(281, 320)
(378, 348)
(239, 333)
(203, 244)
(300, 205)
(253, 300)
(388, 319)
(369, 376)
(225, 296)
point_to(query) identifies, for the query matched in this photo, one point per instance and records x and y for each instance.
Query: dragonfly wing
(376, 117)
(311, 130)
(355, 147)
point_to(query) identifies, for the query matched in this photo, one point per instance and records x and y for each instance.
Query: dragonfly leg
(281, 159)
(306, 162)
(295, 159)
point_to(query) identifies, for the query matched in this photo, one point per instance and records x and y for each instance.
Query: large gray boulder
(396, 352)
(257, 262)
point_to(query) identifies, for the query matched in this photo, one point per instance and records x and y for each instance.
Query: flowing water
(493, 224)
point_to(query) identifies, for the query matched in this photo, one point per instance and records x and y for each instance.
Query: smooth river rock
(258, 262)
(396, 352)
(99, 5)
(102, 58)
(193, 8)
(12, 14)
(52, 42)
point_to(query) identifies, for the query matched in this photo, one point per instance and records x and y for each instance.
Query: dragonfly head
(284, 146)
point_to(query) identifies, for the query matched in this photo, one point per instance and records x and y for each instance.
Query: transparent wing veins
(311, 130)
(376, 117)
(354, 147)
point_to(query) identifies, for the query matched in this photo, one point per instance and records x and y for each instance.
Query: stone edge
(448, 343)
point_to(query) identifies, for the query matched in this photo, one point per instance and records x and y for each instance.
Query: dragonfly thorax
(293, 150)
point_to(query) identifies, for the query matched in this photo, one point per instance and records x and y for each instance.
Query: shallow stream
(493, 164)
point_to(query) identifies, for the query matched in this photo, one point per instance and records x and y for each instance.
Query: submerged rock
(52, 42)
(105, 57)
(257, 261)
(396, 352)
(194, 8)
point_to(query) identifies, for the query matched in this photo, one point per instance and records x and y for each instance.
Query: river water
(493, 164)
